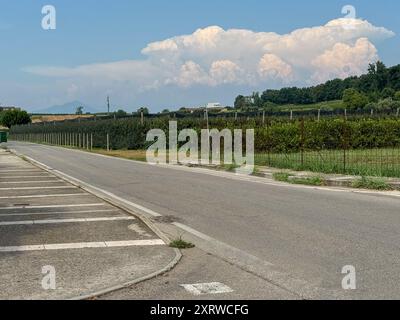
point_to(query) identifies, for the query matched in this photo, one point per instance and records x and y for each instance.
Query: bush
(11, 118)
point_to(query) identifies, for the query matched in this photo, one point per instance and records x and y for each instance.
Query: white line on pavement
(24, 177)
(21, 170)
(54, 212)
(46, 196)
(38, 188)
(57, 221)
(55, 206)
(26, 182)
(83, 245)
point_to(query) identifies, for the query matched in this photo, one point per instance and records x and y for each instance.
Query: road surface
(48, 225)
(306, 235)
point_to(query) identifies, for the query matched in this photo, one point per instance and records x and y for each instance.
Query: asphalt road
(305, 236)
(90, 244)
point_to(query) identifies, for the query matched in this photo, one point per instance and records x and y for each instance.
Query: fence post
(91, 141)
(108, 142)
(263, 118)
(345, 145)
(302, 142)
(319, 114)
(291, 114)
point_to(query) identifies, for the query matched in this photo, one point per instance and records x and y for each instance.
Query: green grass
(311, 181)
(281, 176)
(181, 244)
(369, 162)
(371, 183)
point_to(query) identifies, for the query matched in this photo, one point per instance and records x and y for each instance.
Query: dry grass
(139, 155)
(52, 118)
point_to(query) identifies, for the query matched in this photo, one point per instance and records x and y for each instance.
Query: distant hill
(67, 108)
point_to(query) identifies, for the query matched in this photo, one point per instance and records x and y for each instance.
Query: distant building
(8, 108)
(214, 105)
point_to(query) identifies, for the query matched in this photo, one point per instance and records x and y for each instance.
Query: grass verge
(371, 183)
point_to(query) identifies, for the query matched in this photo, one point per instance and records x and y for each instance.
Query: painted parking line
(84, 245)
(55, 206)
(26, 182)
(58, 221)
(20, 171)
(47, 196)
(55, 212)
(38, 188)
(24, 177)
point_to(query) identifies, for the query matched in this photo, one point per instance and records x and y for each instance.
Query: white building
(214, 105)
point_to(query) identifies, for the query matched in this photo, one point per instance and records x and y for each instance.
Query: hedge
(272, 135)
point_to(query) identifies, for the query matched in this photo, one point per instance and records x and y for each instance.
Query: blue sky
(107, 33)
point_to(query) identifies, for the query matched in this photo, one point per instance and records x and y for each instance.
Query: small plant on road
(181, 244)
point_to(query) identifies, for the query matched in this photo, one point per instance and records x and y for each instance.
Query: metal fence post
(108, 142)
(302, 142)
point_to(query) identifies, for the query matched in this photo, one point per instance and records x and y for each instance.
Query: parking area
(52, 232)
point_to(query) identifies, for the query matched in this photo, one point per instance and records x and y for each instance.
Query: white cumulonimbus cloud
(216, 57)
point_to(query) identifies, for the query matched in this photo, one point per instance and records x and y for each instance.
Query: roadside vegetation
(311, 181)
(181, 244)
(371, 183)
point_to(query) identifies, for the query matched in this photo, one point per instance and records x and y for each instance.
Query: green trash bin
(3, 136)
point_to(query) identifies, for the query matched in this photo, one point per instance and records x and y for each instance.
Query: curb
(119, 204)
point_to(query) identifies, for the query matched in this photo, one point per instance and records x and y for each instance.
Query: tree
(240, 102)
(165, 111)
(352, 99)
(14, 117)
(388, 93)
(397, 96)
(120, 113)
(145, 110)
(79, 110)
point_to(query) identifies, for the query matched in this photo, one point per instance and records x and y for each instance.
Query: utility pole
(108, 105)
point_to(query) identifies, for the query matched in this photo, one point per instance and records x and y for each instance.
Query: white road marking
(84, 245)
(54, 212)
(58, 221)
(21, 170)
(207, 288)
(38, 188)
(26, 182)
(129, 203)
(132, 243)
(22, 248)
(193, 231)
(46, 196)
(55, 206)
(24, 177)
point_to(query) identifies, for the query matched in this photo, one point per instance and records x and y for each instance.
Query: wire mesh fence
(355, 147)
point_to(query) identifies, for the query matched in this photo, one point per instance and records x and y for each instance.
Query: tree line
(379, 83)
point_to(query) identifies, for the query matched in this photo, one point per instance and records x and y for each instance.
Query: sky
(169, 54)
